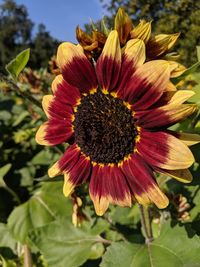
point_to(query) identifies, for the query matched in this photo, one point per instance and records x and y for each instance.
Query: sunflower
(115, 115)
(158, 46)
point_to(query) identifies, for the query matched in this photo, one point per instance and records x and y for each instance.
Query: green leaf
(195, 211)
(27, 174)
(5, 115)
(196, 77)
(44, 157)
(7, 263)
(15, 66)
(62, 244)
(120, 255)
(3, 171)
(6, 239)
(125, 216)
(190, 70)
(104, 27)
(96, 251)
(173, 248)
(20, 118)
(46, 205)
(93, 25)
(51, 193)
(100, 226)
(195, 98)
(26, 217)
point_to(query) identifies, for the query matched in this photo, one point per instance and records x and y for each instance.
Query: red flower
(115, 116)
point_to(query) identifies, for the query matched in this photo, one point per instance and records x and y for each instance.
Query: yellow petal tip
(54, 170)
(100, 204)
(68, 187)
(40, 134)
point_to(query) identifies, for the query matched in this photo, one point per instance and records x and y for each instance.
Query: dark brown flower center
(104, 128)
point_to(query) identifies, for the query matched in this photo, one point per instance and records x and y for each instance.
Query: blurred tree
(168, 16)
(16, 35)
(43, 47)
(15, 30)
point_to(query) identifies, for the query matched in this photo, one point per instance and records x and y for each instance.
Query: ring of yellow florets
(104, 127)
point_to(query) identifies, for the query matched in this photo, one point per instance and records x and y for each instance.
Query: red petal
(54, 132)
(55, 109)
(142, 182)
(147, 84)
(75, 67)
(163, 150)
(78, 174)
(164, 116)
(66, 162)
(133, 56)
(117, 188)
(108, 184)
(97, 190)
(109, 63)
(65, 92)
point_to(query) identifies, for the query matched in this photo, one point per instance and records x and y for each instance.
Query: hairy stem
(146, 223)
(27, 257)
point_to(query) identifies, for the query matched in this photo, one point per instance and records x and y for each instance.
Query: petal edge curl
(183, 175)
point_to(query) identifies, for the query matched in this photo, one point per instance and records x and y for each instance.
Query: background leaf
(62, 244)
(189, 71)
(21, 117)
(3, 172)
(15, 66)
(6, 239)
(46, 205)
(172, 248)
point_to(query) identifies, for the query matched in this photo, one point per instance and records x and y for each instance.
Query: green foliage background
(35, 216)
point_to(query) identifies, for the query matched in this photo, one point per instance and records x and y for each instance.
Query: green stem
(11, 192)
(146, 224)
(103, 240)
(58, 150)
(27, 257)
(195, 120)
(15, 196)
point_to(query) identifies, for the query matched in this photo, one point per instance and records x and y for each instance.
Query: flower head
(158, 46)
(115, 115)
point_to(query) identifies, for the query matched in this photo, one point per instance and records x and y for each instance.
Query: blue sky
(62, 16)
